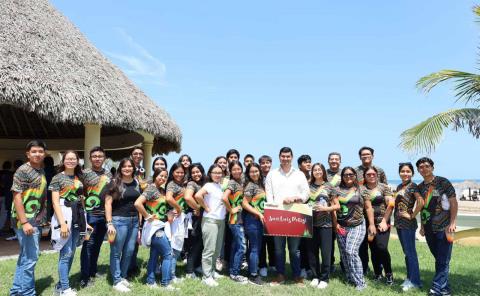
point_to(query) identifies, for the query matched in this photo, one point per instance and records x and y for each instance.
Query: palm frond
(425, 136)
(467, 86)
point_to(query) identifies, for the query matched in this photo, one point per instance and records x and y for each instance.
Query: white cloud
(138, 63)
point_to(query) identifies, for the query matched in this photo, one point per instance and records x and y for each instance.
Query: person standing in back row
(366, 156)
(286, 185)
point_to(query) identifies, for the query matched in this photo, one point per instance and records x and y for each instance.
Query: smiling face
(127, 169)
(405, 173)
(70, 161)
(159, 164)
(216, 174)
(178, 175)
(196, 174)
(317, 173)
(286, 159)
(97, 159)
(137, 157)
(425, 169)
(186, 161)
(306, 166)
(366, 157)
(254, 174)
(334, 162)
(161, 178)
(36, 155)
(349, 178)
(222, 162)
(370, 177)
(236, 172)
(265, 166)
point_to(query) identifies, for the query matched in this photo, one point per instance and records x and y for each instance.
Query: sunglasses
(349, 175)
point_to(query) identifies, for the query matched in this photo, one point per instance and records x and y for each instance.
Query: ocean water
(418, 181)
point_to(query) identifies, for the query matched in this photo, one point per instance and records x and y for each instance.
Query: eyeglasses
(349, 175)
(217, 173)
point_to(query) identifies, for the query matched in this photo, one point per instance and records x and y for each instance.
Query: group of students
(218, 216)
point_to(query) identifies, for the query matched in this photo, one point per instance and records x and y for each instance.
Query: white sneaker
(191, 276)
(408, 286)
(263, 272)
(120, 287)
(126, 283)
(405, 282)
(68, 292)
(170, 288)
(322, 285)
(217, 276)
(176, 280)
(11, 238)
(303, 273)
(57, 290)
(210, 282)
(314, 283)
(153, 286)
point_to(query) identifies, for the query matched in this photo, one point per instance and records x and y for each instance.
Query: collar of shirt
(287, 174)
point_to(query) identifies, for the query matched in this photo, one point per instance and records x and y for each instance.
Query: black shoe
(256, 280)
(389, 278)
(84, 283)
(378, 278)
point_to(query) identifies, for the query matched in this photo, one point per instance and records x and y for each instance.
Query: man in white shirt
(286, 185)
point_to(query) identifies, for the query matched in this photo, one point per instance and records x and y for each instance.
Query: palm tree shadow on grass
(43, 284)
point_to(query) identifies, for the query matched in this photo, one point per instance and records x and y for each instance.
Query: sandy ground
(469, 207)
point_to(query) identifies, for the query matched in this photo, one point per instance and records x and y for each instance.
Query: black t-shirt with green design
(256, 195)
(32, 185)
(156, 203)
(178, 192)
(377, 197)
(434, 215)
(351, 206)
(96, 187)
(317, 193)
(404, 203)
(69, 188)
(235, 198)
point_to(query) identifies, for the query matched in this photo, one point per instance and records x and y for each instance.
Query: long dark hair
(232, 164)
(117, 187)
(159, 158)
(342, 183)
(324, 171)
(175, 166)
(77, 171)
(158, 172)
(260, 178)
(225, 171)
(187, 156)
(199, 166)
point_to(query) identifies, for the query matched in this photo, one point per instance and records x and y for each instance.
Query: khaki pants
(212, 235)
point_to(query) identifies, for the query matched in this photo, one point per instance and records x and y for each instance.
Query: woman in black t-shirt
(122, 222)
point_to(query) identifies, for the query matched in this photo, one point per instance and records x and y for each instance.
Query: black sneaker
(389, 278)
(84, 283)
(256, 280)
(378, 277)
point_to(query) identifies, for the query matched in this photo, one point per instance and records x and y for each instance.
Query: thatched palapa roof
(52, 81)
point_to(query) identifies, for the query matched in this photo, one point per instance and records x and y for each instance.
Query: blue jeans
(91, 248)
(238, 248)
(160, 246)
(65, 259)
(254, 231)
(24, 278)
(173, 264)
(122, 248)
(407, 240)
(294, 253)
(441, 249)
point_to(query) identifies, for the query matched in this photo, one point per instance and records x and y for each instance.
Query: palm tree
(425, 136)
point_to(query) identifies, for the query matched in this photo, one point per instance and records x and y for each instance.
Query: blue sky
(317, 76)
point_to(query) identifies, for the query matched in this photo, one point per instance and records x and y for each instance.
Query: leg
(326, 250)
(363, 253)
(66, 258)
(313, 246)
(220, 226)
(355, 236)
(238, 248)
(342, 246)
(382, 245)
(97, 237)
(116, 248)
(280, 242)
(294, 254)
(129, 246)
(403, 237)
(375, 253)
(209, 235)
(153, 259)
(442, 261)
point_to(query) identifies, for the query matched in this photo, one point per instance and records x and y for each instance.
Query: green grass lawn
(464, 277)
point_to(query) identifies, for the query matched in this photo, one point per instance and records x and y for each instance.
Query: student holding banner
(351, 225)
(286, 185)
